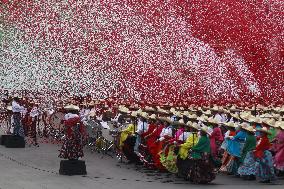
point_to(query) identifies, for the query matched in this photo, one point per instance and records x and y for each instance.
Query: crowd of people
(194, 142)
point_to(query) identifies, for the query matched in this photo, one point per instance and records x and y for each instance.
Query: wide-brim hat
(202, 118)
(192, 116)
(206, 130)
(245, 125)
(153, 117)
(149, 109)
(270, 122)
(143, 115)
(255, 119)
(215, 108)
(123, 109)
(166, 119)
(245, 116)
(181, 122)
(178, 114)
(207, 112)
(134, 114)
(236, 116)
(249, 129)
(193, 125)
(162, 111)
(71, 107)
(230, 124)
(278, 124)
(213, 121)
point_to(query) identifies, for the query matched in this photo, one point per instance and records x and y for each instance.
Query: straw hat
(213, 120)
(181, 122)
(245, 116)
(162, 111)
(266, 115)
(149, 109)
(234, 115)
(144, 115)
(193, 125)
(264, 130)
(123, 109)
(270, 122)
(153, 116)
(249, 129)
(215, 108)
(202, 118)
(134, 114)
(278, 124)
(206, 130)
(207, 112)
(71, 107)
(244, 125)
(166, 119)
(230, 124)
(178, 114)
(172, 110)
(185, 113)
(192, 116)
(255, 119)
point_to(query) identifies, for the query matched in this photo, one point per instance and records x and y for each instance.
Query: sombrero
(71, 107)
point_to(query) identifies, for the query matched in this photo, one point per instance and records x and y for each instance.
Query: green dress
(202, 146)
(273, 134)
(249, 146)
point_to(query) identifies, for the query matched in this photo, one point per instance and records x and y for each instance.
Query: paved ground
(35, 168)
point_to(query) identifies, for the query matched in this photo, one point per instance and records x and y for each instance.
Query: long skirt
(233, 165)
(183, 166)
(128, 149)
(264, 167)
(72, 148)
(279, 159)
(248, 167)
(169, 161)
(201, 171)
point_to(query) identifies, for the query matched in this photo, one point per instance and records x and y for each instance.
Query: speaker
(72, 167)
(15, 142)
(4, 138)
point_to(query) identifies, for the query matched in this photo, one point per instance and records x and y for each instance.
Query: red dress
(262, 146)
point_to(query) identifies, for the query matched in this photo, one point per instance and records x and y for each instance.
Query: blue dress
(236, 144)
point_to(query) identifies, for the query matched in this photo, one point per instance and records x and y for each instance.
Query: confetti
(197, 51)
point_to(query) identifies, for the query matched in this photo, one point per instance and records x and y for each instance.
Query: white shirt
(142, 127)
(166, 132)
(17, 108)
(184, 136)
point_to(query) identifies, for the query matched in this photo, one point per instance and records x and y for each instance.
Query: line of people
(196, 144)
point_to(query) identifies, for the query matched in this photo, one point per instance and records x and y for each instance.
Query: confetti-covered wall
(159, 50)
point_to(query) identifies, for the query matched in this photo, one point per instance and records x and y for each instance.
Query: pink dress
(216, 140)
(278, 147)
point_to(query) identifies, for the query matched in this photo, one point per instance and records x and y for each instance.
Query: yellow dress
(125, 133)
(189, 143)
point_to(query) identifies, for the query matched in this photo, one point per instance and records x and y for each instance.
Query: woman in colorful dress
(75, 135)
(278, 148)
(201, 169)
(231, 132)
(235, 146)
(183, 162)
(247, 167)
(216, 138)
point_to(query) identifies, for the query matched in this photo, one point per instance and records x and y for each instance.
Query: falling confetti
(178, 51)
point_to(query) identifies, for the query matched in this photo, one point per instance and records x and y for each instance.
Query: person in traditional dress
(128, 140)
(183, 163)
(259, 162)
(75, 134)
(231, 132)
(201, 169)
(278, 148)
(216, 137)
(235, 146)
(247, 162)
